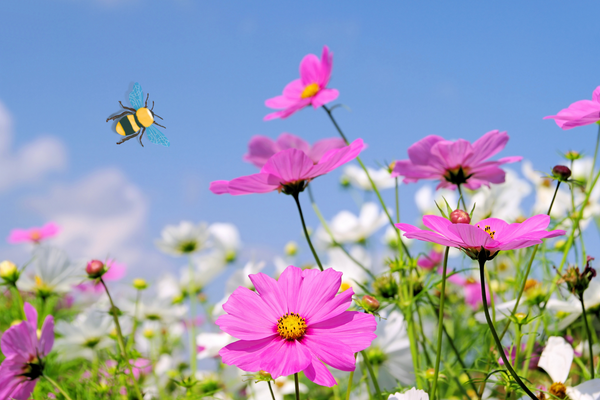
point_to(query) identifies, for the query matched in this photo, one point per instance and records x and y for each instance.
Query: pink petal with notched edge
(315, 290)
(353, 328)
(324, 96)
(582, 112)
(244, 302)
(270, 293)
(290, 165)
(433, 237)
(260, 148)
(290, 282)
(310, 70)
(288, 141)
(334, 307)
(337, 157)
(239, 328)
(46, 340)
(412, 172)
(488, 146)
(289, 110)
(472, 236)
(321, 147)
(440, 225)
(532, 224)
(219, 187)
(331, 351)
(420, 152)
(519, 244)
(245, 354)
(452, 154)
(496, 225)
(326, 66)
(279, 102)
(293, 90)
(50, 229)
(285, 358)
(17, 341)
(115, 271)
(319, 373)
(31, 314)
(256, 183)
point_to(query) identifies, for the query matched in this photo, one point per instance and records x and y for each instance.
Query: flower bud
(520, 318)
(95, 269)
(370, 303)
(291, 249)
(140, 284)
(573, 155)
(9, 271)
(460, 217)
(561, 172)
(386, 286)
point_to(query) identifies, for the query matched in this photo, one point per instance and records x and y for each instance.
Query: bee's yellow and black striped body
(130, 124)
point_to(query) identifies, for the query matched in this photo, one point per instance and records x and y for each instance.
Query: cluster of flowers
(503, 308)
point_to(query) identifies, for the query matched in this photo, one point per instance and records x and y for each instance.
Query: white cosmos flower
(426, 197)
(52, 273)
(351, 273)
(500, 201)
(281, 386)
(348, 228)
(357, 177)
(411, 394)
(237, 279)
(185, 238)
(591, 298)
(83, 337)
(544, 190)
(226, 239)
(211, 343)
(556, 360)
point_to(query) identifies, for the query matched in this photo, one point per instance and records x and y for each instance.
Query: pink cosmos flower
(293, 324)
(455, 163)
(23, 349)
(492, 234)
(311, 88)
(288, 171)
(432, 260)
(261, 148)
(115, 272)
(582, 112)
(33, 235)
(471, 289)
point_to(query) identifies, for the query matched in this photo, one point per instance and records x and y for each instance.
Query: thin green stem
(517, 345)
(19, 301)
(507, 364)
(397, 202)
(297, 386)
(350, 381)
(589, 335)
(462, 199)
(372, 374)
(57, 386)
(438, 354)
(131, 341)
(192, 327)
(271, 390)
(295, 196)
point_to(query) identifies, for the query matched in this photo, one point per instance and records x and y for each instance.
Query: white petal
(412, 394)
(589, 390)
(556, 359)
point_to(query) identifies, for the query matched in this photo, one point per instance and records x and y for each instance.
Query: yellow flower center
(291, 326)
(559, 390)
(310, 91)
(35, 236)
(345, 286)
(530, 284)
(488, 230)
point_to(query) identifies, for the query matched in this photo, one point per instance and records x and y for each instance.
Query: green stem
(589, 335)
(372, 374)
(350, 381)
(19, 301)
(271, 390)
(438, 354)
(517, 345)
(372, 183)
(507, 364)
(192, 327)
(57, 386)
(297, 386)
(295, 196)
(397, 202)
(121, 341)
(131, 341)
(462, 198)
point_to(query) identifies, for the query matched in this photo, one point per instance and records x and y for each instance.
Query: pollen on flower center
(559, 390)
(291, 326)
(488, 230)
(35, 235)
(310, 91)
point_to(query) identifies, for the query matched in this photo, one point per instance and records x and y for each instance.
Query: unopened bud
(9, 271)
(561, 172)
(460, 217)
(95, 269)
(430, 373)
(140, 284)
(520, 318)
(344, 181)
(291, 249)
(370, 303)
(573, 155)
(264, 374)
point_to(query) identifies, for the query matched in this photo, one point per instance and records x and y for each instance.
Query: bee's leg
(143, 131)
(156, 123)
(126, 138)
(118, 116)
(127, 108)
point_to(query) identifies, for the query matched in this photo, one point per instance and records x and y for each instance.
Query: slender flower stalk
(295, 195)
(589, 335)
(372, 374)
(192, 327)
(19, 299)
(462, 198)
(438, 355)
(375, 189)
(297, 386)
(271, 390)
(121, 341)
(507, 364)
(57, 386)
(349, 390)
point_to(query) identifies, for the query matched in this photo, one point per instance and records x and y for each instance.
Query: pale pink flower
(580, 113)
(492, 234)
(115, 272)
(432, 260)
(261, 148)
(33, 235)
(471, 289)
(297, 323)
(455, 163)
(287, 171)
(311, 88)
(23, 350)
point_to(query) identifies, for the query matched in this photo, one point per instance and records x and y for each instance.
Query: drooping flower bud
(9, 272)
(140, 284)
(95, 269)
(576, 281)
(460, 217)
(370, 303)
(561, 172)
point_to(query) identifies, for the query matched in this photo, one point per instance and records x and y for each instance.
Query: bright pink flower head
(492, 234)
(311, 88)
(261, 148)
(288, 171)
(23, 349)
(582, 112)
(293, 324)
(455, 163)
(471, 289)
(432, 260)
(33, 235)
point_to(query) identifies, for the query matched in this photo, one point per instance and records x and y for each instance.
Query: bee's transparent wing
(156, 136)
(136, 97)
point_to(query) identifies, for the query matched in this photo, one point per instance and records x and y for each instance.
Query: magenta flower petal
(331, 351)
(289, 165)
(319, 373)
(325, 96)
(310, 70)
(244, 301)
(33, 235)
(488, 146)
(256, 183)
(290, 282)
(13, 386)
(286, 358)
(580, 113)
(46, 340)
(345, 327)
(334, 307)
(270, 292)
(245, 354)
(316, 290)
(321, 147)
(473, 237)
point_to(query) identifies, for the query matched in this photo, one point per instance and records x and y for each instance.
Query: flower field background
(399, 221)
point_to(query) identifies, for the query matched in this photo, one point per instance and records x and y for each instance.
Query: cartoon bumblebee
(134, 122)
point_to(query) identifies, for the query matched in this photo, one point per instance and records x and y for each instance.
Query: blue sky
(406, 70)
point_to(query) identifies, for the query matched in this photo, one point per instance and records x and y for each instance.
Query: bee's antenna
(157, 116)
(152, 105)
(147, 95)
(156, 123)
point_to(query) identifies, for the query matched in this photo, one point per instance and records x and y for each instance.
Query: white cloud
(31, 162)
